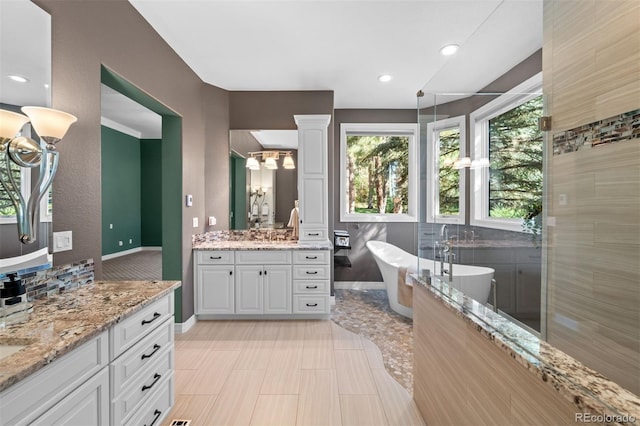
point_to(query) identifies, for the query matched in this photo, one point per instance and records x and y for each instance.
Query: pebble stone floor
(367, 313)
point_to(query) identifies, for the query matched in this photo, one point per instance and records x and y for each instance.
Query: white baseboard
(332, 301)
(359, 285)
(130, 251)
(183, 327)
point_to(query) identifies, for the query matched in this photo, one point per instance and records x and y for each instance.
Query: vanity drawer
(157, 407)
(313, 235)
(144, 384)
(310, 272)
(311, 287)
(125, 368)
(310, 304)
(214, 257)
(304, 257)
(125, 334)
(263, 257)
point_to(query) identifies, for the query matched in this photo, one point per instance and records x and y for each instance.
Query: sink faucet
(444, 233)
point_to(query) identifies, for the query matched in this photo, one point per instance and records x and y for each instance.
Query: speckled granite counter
(588, 390)
(254, 239)
(63, 322)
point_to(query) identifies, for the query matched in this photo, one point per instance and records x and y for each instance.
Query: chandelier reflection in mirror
(51, 125)
(270, 160)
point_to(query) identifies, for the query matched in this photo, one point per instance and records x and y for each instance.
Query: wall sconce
(270, 159)
(51, 125)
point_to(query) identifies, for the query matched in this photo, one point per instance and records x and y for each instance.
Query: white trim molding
(183, 327)
(130, 251)
(114, 125)
(359, 285)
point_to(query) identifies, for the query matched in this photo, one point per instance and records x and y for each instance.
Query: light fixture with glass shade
(51, 125)
(270, 159)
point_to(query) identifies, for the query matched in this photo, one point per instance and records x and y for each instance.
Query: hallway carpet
(367, 313)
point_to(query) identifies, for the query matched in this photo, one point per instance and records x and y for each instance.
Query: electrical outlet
(62, 241)
(111, 226)
(212, 220)
(195, 222)
(130, 241)
(120, 243)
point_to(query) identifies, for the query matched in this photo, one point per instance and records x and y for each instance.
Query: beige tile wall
(462, 378)
(591, 69)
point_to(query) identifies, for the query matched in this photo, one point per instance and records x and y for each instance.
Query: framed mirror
(262, 197)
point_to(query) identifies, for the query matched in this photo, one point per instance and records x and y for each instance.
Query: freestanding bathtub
(474, 281)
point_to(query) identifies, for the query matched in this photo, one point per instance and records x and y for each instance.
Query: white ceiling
(302, 45)
(276, 139)
(127, 116)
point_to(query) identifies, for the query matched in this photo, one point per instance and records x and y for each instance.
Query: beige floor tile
(397, 403)
(255, 355)
(343, 339)
(265, 330)
(190, 354)
(237, 399)
(354, 374)
(316, 328)
(233, 335)
(319, 403)
(374, 356)
(318, 354)
(291, 334)
(275, 410)
(362, 410)
(208, 380)
(191, 407)
(283, 372)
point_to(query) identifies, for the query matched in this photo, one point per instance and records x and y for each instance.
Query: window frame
(479, 129)
(409, 130)
(432, 203)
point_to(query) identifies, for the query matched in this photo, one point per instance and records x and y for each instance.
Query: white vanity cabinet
(311, 282)
(279, 283)
(214, 279)
(312, 176)
(263, 282)
(115, 378)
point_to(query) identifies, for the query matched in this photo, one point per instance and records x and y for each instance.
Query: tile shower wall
(58, 279)
(592, 93)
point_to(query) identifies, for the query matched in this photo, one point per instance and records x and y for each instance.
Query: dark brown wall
(86, 35)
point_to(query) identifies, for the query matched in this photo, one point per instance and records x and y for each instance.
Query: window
(378, 172)
(506, 137)
(445, 146)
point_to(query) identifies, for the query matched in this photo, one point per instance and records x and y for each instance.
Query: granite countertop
(586, 388)
(61, 323)
(262, 245)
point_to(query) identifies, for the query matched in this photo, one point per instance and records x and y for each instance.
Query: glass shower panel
(481, 159)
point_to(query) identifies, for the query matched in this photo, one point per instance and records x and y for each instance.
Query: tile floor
(284, 373)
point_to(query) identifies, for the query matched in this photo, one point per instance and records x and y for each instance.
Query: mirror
(29, 57)
(262, 198)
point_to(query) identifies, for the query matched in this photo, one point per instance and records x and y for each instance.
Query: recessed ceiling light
(384, 78)
(18, 78)
(449, 49)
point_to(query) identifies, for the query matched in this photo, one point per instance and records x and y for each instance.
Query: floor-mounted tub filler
(474, 281)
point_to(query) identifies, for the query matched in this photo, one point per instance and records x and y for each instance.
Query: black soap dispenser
(14, 307)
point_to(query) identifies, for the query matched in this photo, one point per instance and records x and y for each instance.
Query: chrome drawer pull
(156, 377)
(156, 348)
(312, 286)
(155, 419)
(311, 257)
(156, 315)
(312, 273)
(215, 257)
(312, 304)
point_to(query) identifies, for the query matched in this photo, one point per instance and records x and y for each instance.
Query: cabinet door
(249, 289)
(313, 208)
(277, 289)
(87, 405)
(214, 290)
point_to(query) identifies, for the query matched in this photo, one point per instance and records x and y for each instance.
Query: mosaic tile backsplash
(619, 128)
(57, 279)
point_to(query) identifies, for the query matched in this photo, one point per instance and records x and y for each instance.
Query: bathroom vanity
(263, 279)
(101, 354)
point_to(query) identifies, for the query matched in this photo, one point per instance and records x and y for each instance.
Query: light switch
(62, 241)
(195, 222)
(189, 200)
(212, 220)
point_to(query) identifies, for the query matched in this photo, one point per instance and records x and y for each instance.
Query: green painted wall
(151, 192)
(121, 205)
